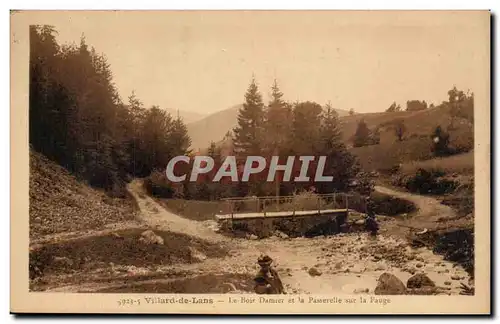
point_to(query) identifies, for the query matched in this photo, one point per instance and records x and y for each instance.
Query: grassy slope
(417, 142)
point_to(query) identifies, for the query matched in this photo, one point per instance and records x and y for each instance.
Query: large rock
(389, 284)
(314, 272)
(149, 237)
(420, 280)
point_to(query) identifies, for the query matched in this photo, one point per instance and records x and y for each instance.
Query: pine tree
(248, 135)
(331, 135)
(278, 123)
(214, 152)
(392, 108)
(179, 139)
(306, 127)
(362, 135)
(340, 164)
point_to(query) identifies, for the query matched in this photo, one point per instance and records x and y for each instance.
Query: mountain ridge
(214, 126)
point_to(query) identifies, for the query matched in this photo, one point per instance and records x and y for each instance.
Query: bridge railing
(295, 203)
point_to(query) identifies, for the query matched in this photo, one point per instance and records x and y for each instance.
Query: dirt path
(430, 214)
(157, 217)
(430, 209)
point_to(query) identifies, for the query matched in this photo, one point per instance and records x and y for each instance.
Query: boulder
(313, 272)
(149, 237)
(419, 281)
(389, 284)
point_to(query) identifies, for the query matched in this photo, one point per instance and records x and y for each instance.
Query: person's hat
(264, 260)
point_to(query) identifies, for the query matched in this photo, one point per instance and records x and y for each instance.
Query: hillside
(186, 116)
(415, 146)
(213, 127)
(59, 203)
(416, 142)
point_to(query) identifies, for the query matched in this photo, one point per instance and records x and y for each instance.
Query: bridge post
(347, 203)
(264, 206)
(232, 214)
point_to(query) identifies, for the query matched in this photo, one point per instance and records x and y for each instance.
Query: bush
(462, 200)
(427, 182)
(391, 206)
(363, 184)
(157, 185)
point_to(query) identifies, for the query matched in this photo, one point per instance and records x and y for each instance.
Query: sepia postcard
(250, 162)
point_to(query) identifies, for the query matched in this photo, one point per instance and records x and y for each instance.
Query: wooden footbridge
(298, 213)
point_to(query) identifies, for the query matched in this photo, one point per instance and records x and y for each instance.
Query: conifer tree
(340, 164)
(362, 135)
(248, 134)
(179, 139)
(278, 123)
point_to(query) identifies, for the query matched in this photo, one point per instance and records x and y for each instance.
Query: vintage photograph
(260, 154)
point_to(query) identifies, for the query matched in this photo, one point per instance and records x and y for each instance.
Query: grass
(462, 164)
(456, 171)
(198, 210)
(385, 155)
(416, 144)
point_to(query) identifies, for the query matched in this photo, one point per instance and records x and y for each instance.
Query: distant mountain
(213, 127)
(187, 116)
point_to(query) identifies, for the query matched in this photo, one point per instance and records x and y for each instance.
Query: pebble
(447, 283)
(419, 265)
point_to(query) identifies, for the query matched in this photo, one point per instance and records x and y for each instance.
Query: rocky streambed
(352, 263)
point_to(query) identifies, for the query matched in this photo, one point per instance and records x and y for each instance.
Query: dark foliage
(78, 120)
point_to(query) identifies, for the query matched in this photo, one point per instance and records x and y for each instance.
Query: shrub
(427, 182)
(391, 206)
(157, 185)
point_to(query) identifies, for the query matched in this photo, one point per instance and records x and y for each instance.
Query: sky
(203, 61)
